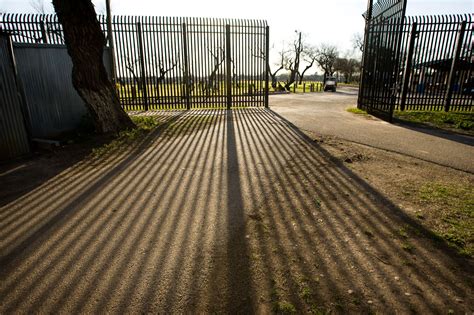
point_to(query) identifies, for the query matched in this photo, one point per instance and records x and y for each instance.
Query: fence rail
(173, 63)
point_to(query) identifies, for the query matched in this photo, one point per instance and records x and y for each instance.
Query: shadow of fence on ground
(220, 211)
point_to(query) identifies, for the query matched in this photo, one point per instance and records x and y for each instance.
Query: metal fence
(13, 133)
(174, 63)
(45, 73)
(438, 63)
(381, 58)
(416, 63)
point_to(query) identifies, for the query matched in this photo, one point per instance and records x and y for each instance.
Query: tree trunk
(85, 43)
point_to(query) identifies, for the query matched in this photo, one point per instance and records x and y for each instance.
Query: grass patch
(357, 111)
(407, 247)
(284, 307)
(449, 121)
(453, 213)
(306, 294)
(126, 137)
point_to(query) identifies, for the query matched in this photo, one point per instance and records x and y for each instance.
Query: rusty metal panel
(13, 135)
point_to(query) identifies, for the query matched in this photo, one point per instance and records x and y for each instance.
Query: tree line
(299, 57)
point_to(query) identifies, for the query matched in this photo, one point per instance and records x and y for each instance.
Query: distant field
(171, 90)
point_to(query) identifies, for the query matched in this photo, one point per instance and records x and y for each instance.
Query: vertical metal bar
(466, 103)
(451, 77)
(44, 34)
(122, 73)
(228, 66)
(187, 80)
(130, 53)
(176, 76)
(159, 60)
(242, 60)
(113, 71)
(363, 76)
(147, 55)
(267, 62)
(19, 86)
(142, 65)
(170, 60)
(408, 64)
(164, 59)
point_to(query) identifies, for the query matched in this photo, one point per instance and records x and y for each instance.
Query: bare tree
(326, 57)
(293, 60)
(219, 58)
(130, 66)
(358, 41)
(281, 65)
(164, 70)
(309, 56)
(347, 67)
(38, 6)
(85, 45)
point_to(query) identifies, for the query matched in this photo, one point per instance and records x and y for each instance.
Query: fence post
(304, 87)
(228, 78)
(267, 63)
(113, 72)
(44, 34)
(406, 74)
(365, 52)
(452, 77)
(187, 79)
(142, 65)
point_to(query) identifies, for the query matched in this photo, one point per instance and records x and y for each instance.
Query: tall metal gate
(381, 59)
(174, 63)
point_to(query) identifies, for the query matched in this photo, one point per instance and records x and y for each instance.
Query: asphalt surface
(325, 114)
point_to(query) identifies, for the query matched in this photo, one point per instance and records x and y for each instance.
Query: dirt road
(325, 114)
(228, 212)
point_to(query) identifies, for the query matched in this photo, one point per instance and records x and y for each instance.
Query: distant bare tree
(281, 65)
(293, 59)
(164, 70)
(219, 57)
(40, 6)
(130, 66)
(310, 54)
(347, 67)
(358, 41)
(326, 57)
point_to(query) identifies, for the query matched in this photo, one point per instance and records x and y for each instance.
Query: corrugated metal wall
(53, 104)
(13, 134)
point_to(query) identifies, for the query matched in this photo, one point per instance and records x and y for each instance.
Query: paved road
(325, 114)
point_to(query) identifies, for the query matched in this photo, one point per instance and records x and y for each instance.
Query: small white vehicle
(330, 84)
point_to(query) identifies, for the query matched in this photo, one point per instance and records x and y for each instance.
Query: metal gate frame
(381, 57)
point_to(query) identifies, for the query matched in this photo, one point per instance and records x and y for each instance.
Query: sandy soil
(239, 212)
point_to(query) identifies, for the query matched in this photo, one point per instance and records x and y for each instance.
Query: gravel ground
(227, 212)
